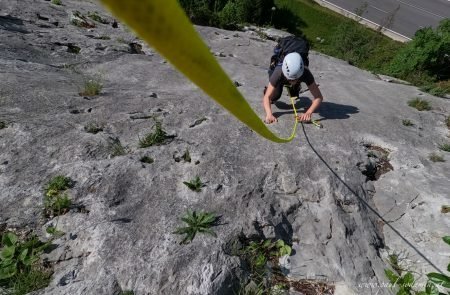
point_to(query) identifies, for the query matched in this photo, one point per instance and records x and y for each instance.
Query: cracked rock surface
(310, 192)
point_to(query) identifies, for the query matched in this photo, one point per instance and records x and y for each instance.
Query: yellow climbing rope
(164, 25)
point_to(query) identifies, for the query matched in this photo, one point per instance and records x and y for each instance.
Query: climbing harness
(165, 26)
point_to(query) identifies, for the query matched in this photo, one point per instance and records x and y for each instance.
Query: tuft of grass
(436, 158)
(196, 223)
(56, 201)
(186, 156)
(20, 269)
(447, 122)
(407, 123)
(117, 149)
(57, 2)
(126, 293)
(445, 209)
(195, 184)
(121, 40)
(92, 87)
(147, 160)
(96, 17)
(93, 128)
(419, 104)
(3, 125)
(445, 147)
(159, 136)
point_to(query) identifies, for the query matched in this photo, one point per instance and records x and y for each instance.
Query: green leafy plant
(19, 270)
(445, 147)
(57, 2)
(419, 104)
(54, 232)
(92, 87)
(159, 136)
(2, 124)
(196, 223)
(438, 278)
(195, 184)
(436, 158)
(56, 201)
(259, 253)
(126, 293)
(147, 160)
(445, 209)
(407, 123)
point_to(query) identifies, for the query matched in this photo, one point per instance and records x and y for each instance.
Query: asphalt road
(402, 16)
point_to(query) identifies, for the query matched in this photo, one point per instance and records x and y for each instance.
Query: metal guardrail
(388, 32)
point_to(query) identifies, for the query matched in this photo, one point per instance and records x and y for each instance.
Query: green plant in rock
(196, 223)
(2, 125)
(126, 293)
(54, 232)
(195, 184)
(445, 147)
(147, 160)
(95, 16)
(436, 158)
(407, 123)
(438, 278)
(419, 104)
(186, 156)
(20, 272)
(159, 136)
(93, 128)
(92, 87)
(447, 122)
(117, 149)
(445, 209)
(259, 253)
(57, 202)
(57, 2)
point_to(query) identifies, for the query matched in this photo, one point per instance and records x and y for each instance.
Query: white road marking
(382, 9)
(422, 9)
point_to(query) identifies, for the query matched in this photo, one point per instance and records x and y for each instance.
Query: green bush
(426, 55)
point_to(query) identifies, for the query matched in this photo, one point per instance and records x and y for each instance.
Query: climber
(291, 72)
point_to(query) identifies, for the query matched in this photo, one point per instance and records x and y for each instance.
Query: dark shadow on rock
(327, 110)
(12, 24)
(364, 203)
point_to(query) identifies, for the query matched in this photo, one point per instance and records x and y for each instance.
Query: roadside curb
(385, 31)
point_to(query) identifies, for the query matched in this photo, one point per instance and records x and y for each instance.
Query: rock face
(312, 192)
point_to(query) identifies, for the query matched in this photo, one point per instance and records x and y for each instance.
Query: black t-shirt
(277, 77)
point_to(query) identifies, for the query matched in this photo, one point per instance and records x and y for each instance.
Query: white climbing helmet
(293, 66)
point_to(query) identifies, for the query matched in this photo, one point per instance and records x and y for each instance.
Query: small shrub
(195, 184)
(147, 160)
(57, 2)
(126, 293)
(436, 158)
(407, 123)
(447, 122)
(445, 209)
(20, 271)
(93, 128)
(159, 136)
(445, 147)
(2, 124)
(196, 223)
(57, 202)
(419, 104)
(92, 87)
